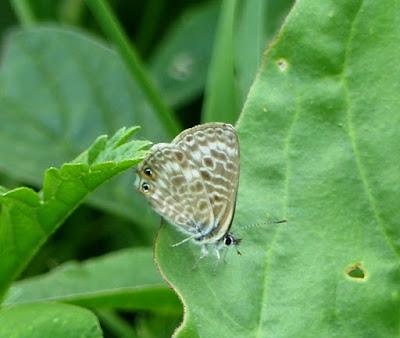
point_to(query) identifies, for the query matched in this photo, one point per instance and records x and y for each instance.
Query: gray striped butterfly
(192, 182)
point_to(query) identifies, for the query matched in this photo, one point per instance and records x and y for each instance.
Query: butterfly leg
(197, 234)
(204, 253)
(184, 240)
(220, 258)
(217, 254)
(225, 252)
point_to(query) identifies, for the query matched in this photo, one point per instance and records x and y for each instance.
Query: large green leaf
(59, 90)
(126, 279)
(28, 218)
(48, 320)
(319, 142)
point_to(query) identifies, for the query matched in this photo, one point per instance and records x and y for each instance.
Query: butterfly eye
(148, 171)
(145, 187)
(228, 240)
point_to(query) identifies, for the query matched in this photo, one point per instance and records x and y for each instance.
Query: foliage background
(318, 142)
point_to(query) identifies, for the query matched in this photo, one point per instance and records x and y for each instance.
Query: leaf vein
(353, 139)
(286, 147)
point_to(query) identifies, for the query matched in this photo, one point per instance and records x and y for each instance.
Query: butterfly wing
(213, 149)
(175, 188)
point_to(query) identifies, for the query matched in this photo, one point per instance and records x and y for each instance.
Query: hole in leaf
(282, 64)
(356, 271)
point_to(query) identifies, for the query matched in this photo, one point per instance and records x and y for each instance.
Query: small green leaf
(28, 218)
(48, 320)
(127, 279)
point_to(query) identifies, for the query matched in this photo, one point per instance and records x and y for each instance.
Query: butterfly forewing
(214, 149)
(194, 179)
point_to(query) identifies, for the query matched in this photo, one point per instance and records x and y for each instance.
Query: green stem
(113, 30)
(149, 23)
(71, 12)
(23, 11)
(220, 96)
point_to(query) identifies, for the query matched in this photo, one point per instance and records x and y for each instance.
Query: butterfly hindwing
(176, 190)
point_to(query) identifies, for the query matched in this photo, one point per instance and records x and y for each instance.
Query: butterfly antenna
(255, 225)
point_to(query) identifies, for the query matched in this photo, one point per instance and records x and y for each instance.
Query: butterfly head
(230, 240)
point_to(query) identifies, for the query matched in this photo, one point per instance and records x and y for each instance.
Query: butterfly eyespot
(148, 171)
(145, 187)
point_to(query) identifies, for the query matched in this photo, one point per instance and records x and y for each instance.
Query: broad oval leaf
(59, 90)
(319, 143)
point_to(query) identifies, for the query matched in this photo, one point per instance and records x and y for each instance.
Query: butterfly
(192, 182)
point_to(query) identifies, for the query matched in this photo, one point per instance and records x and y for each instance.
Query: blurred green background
(62, 85)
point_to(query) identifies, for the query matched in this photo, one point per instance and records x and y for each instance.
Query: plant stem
(220, 99)
(149, 23)
(23, 11)
(113, 30)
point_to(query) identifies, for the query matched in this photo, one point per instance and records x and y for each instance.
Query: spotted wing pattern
(214, 150)
(192, 182)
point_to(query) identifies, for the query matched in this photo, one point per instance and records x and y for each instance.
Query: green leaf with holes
(28, 218)
(319, 140)
(48, 320)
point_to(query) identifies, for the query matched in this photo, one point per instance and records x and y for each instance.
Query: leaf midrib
(287, 142)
